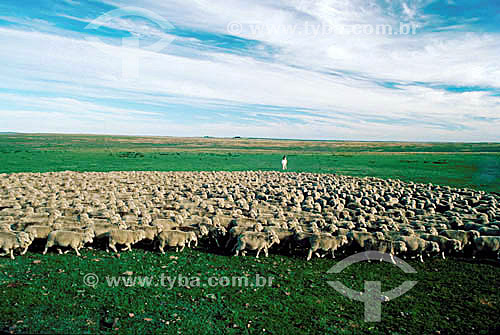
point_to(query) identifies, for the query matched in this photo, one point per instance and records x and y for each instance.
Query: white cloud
(294, 78)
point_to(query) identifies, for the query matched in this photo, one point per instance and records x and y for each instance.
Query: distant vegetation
(455, 164)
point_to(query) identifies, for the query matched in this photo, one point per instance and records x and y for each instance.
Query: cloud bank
(269, 78)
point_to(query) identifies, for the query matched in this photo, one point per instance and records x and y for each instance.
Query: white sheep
(71, 239)
(13, 240)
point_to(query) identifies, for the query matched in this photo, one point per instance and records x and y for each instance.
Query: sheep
(5, 217)
(150, 232)
(176, 238)
(126, 237)
(399, 247)
(77, 229)
(164, 224)
(445, 244)
(486, 245)
(13, 240)
(302, 239)
(230, 199)
(418, 246)
(386, 247)
(222, 221)
(215, 235)
(343, 231)
(239, 229)
(392, 235)
(5, 227)
(199, 230)
(71, 239)
(472, 226)
(256, 241)
(325, 242)
(102, 230)
(286, 236)
(465, 237)
(489, 231)
(40, 219)
(41, 232)
(358, 238)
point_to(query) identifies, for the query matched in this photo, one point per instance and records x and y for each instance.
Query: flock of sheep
(313, 214)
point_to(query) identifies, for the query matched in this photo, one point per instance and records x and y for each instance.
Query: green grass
(479, 171)
(15, 142)
(50, 296)
(455, 296)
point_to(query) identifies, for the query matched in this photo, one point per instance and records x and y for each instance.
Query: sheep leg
(258, 252)
(333, 253)
(49, 244)
(77, 252)
(266, 251)
(183, 245)
(309, 255)
(24, 251)
(113, 247)
(421, 258)
(392, 259)
(238, 247)
(12, 254)
(59, 251)
(161, 246)
(442, 254)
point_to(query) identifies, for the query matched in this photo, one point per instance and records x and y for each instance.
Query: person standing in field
(284, 163)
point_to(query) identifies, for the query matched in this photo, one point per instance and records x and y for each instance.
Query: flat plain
(46, 293)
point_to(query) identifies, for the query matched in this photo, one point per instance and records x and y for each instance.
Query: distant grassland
(97, 142)
(455, 164)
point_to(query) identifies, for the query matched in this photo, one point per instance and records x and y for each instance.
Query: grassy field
(47, 294)
(459, 165)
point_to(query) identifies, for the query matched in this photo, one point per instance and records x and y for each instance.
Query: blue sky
(251, 68)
